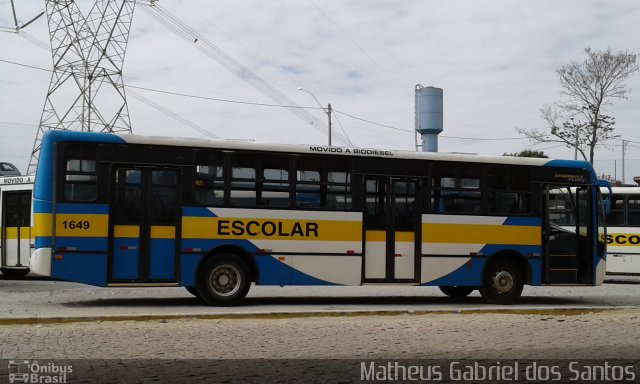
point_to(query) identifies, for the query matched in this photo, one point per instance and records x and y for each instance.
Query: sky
(496, 61)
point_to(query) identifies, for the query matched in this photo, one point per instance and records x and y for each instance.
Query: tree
(527, 153)
(578, 120)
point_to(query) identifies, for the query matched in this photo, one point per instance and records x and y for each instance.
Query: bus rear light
(351, 252)
(57, 257)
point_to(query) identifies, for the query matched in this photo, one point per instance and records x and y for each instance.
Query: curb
(288, 315)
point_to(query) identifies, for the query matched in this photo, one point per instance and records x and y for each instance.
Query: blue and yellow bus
(215, 216)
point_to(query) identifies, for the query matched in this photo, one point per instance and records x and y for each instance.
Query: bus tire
(192, 289)
(223, 280)
(11, 273)
(457, 292)
(502, 282)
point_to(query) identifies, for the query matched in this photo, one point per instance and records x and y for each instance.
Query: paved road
(320, 349)
(306, 333)
(37, 298)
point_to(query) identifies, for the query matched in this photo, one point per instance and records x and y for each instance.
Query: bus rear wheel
(456, 292)
(223, 280)
(502, 282)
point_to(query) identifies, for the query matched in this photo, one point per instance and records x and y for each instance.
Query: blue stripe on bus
(162, 259)
(125, 261)
(523, 221)
(88, 268)
(197, 212)
(86, 244)
(273, 272)
(83, 208)
(42, 206)
(469, 274)
(524, 250)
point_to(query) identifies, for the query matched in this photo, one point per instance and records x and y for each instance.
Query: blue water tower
(429, 116)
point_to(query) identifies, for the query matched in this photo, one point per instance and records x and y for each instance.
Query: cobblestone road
(608, 334)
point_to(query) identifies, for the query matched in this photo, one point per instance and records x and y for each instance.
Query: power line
(181, 94)
(175, 25)
(25, 65)
(218, 99)
(358, 46)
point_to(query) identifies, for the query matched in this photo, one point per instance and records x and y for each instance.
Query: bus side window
(80, 180)
(209, 179)
(633, 211)
(456, 191)
(615, 217)
(509, 190)
(339, 194)
(275, 182)
(308, 194)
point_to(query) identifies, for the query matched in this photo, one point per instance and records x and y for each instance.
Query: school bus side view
(623, 231)
(215, 216)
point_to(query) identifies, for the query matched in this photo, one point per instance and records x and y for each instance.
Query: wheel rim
(225, 280)
(503, 281)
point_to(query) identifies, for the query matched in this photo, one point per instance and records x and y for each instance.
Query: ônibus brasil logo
(25, 371)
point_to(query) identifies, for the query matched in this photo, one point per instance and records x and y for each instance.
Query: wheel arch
(240, 252)
(519, 258)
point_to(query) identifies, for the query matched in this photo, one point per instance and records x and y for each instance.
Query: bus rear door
(144, 219)
(16, 232)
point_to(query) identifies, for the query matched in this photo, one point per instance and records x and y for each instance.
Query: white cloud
(495, 60)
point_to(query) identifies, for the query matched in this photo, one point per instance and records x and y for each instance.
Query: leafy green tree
(527, 153)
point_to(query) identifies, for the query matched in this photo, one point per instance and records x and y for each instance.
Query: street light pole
(325, 110)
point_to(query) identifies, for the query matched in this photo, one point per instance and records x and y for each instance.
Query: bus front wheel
(456, 292)
(223, 280)
(502, 282)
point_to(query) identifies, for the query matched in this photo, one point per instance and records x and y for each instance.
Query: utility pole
(624, 148)
(86, 92)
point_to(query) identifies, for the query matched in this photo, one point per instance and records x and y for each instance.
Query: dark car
(8, 169)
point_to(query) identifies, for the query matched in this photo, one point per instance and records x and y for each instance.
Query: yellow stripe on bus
(12, 233)
(405, 237)
(481, 234)
(163, 232)
(376, 236)
(126, 231)
(42, 224)
(81, 225)
(275, 229)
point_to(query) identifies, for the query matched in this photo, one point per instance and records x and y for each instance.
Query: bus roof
(226, 144)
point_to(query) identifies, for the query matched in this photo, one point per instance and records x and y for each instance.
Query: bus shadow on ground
(358, 303)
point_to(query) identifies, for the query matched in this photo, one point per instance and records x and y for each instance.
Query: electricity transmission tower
(86, 92)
